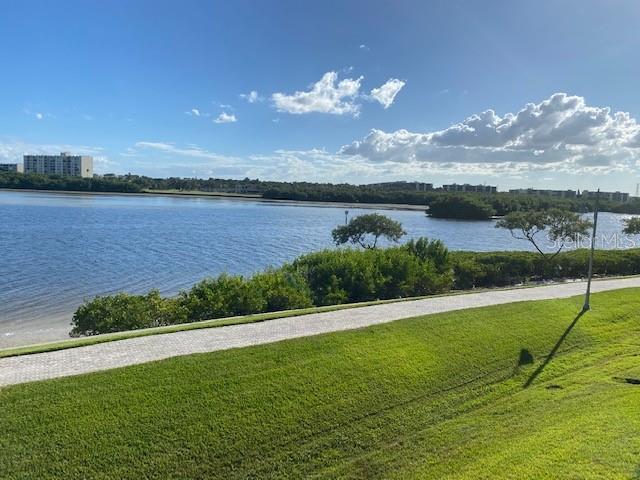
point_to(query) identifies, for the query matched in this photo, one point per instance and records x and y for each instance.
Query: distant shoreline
(237, 197)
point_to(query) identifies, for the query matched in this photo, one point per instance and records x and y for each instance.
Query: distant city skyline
(518, 95)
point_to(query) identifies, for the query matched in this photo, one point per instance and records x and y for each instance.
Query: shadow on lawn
(526, 358)
(553, 352)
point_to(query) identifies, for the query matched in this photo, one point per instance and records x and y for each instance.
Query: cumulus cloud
(225, 118)
(251, 97)
(561, 131)
(337, 97)
(328, 95)
(545, 144)
(386, 93)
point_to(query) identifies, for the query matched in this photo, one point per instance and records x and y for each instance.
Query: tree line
(440, 204)
(37, 181)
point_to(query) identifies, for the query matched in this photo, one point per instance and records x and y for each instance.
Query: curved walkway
(74, 361)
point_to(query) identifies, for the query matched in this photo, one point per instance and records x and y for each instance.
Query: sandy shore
(30, 331)
(237, 197)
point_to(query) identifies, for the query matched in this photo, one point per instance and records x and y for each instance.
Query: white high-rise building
(63, 164)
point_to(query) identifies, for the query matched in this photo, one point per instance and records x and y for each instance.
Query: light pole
(587, 296)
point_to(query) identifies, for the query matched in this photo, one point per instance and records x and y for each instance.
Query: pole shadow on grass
(553, 352)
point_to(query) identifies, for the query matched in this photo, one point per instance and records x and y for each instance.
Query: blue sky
(344, 91)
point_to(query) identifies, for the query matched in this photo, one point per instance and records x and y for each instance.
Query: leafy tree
(365, 230)
(461, 207)
(561, 226)
(632, 226)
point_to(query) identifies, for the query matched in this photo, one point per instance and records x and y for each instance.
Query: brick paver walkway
(74, 361)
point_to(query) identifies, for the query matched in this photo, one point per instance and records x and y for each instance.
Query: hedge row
(333, 277)
(498, 269)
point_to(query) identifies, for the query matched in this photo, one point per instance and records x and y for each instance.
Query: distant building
(466, 188)
(64, 164)
(619, 197)
(545, 193)
(11, 167)
(402, 185)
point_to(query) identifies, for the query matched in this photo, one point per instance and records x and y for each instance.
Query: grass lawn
(468, 394)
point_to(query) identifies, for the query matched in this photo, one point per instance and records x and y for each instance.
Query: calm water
(58, 249)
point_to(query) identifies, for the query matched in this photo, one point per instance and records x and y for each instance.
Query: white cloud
(337, 97)
(169, 159)
(196, 112)
(190, 150)
(12, 151)
(36, 115)
(364, 47)
(251, 97)
(560, 133)
(171, 150)
(554, 140)
(328, 95)
(386, 94)
(225, 118)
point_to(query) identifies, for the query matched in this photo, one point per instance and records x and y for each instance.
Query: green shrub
(468, 273)
(332, 277)
(491, 269)
(122, 311)
(223, 296)
(605, 262)
(283, 289)
(340, 276)
(434, 250)
(496, 269)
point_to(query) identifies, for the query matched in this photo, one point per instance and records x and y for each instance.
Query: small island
(461, 207)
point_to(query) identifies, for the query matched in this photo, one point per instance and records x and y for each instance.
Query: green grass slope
(470, 394)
